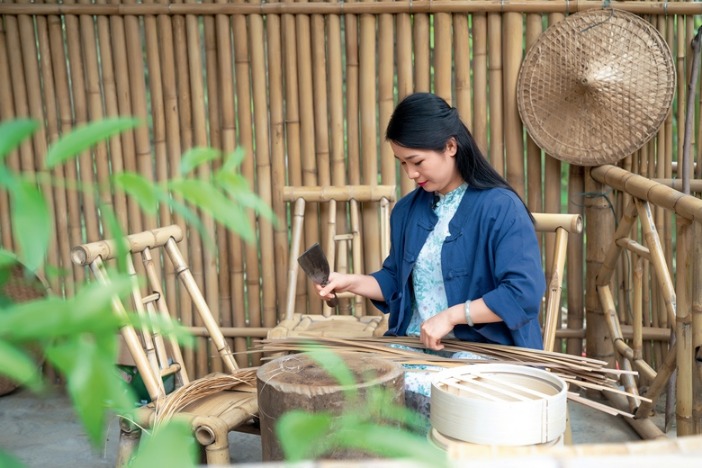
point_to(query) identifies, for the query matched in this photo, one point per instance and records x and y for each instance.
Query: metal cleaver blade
(314, 263)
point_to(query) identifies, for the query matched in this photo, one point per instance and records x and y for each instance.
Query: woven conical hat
(596, 86)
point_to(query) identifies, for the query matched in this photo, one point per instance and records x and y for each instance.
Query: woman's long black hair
(426, 121)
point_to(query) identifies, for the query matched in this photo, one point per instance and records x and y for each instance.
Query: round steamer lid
(596, 86)
(498, 404)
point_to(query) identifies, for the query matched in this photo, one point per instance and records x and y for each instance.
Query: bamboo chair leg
(212, 433)
(129, 436)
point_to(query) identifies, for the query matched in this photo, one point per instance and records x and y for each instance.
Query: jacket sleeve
(388, 275)
(518, 271)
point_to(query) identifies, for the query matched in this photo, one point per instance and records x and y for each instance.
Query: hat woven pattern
(596, 87)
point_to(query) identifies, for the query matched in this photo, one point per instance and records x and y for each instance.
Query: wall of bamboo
(306, 88)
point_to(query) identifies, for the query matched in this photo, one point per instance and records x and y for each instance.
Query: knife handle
(334, 301)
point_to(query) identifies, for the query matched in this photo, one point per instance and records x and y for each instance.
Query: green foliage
(78, 335)
(374, 424)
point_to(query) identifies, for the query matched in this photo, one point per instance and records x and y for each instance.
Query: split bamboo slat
(306, 88)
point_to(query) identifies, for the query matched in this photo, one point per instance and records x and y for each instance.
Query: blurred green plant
(78, 335)
(373, 424)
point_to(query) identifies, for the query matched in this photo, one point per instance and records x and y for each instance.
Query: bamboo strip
(436, 6)
(513, 33)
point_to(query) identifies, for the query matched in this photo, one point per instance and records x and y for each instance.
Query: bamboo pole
(534, 198)
(443, 47)
(214, 139)
(52, 122)
(275, 102)
(386, 95)
(200, 257)
(496, 149)
(659, 8)
(352, 96)
(369, 139)
(513, 33)
(599, 226)
(405, 77)
(124, 107)
(422, 53)
(574, 275)
(461, 66)
(263, 171)
(227, 135)
(7, 112)
(305, 94)
(684, 399)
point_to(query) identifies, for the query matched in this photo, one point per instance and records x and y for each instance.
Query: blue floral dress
(429, 300)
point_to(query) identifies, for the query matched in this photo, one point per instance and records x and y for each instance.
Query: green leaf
(144, 191)
(389, 442)
(197, 156)
(31, 224)
(7, 258)
(86, 136)
(233, 160)
(92, 379)
(19, 366)
(13, 132)
(238, 189)
(171, 444)
(203, 195)
(8, 461)
(303, 435)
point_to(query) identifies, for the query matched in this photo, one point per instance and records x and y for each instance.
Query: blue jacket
(491, 252)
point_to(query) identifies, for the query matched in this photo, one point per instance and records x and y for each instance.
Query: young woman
(464, 260)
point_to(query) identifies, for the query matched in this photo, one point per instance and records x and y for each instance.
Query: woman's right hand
(364, 285)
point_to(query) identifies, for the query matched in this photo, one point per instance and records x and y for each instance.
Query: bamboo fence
(306, 89)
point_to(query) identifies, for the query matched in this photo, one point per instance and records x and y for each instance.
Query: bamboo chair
(212, 409)
(339, 248)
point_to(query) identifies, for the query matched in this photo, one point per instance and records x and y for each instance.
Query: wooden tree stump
(298, 382)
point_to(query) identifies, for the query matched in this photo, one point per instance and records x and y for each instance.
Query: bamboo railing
(306, 88)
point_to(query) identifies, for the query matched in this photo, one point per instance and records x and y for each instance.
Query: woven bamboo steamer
(595, 87)
(499, 404)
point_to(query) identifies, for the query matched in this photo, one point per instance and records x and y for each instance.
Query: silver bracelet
(469, 319)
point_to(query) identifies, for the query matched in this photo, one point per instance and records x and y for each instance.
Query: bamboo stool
(215, 404)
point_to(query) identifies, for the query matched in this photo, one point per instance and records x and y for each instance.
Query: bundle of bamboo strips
(242, 380)
(582, 372)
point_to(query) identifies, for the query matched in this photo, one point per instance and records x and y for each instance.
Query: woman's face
(434, 171)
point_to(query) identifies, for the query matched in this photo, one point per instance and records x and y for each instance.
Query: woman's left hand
(434, 329)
